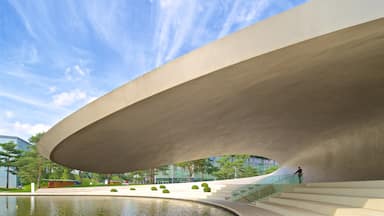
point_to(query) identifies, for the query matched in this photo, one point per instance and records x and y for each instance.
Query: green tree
(248, 171)
(225, 167)
(31, 165)
(151, 174)
(9, 155)
(66, 174)
(136, 177)
(189, 166)
(204, 166)
(34, 168)
(234, 166)
(28, 165)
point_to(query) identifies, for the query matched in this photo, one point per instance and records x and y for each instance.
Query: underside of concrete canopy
(305, 87)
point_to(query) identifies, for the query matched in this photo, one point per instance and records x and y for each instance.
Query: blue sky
(56, 56)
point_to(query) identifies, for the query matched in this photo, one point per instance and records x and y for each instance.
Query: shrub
(204, 185)
(154, 188)
(207, 189)
(113, 190)
(162, 186)
(166, 191)
(195, 187)
(132, 188)
(27, 188)
(85, 182)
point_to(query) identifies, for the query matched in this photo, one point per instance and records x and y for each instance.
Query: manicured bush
(162, 186)
(132, 188)
(166, 191)
(85, 182)
(154, 188)
(27, 188)
(195, 187)
(113, 190)
(207, 189)
(204, 185)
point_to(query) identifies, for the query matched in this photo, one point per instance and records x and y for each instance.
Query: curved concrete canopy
(304, 87)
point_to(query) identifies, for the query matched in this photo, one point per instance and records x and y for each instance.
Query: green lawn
(26, 188)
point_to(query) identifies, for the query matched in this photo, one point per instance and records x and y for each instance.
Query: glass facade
(175, 174)
(20, 144)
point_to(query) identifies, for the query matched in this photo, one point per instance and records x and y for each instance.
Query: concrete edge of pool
(233, 207)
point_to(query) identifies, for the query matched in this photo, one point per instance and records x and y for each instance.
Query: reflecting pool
(100, 206)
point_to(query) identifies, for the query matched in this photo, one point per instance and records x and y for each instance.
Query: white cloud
(185, 24)
(176, 24)
(76, 72)
(26, 129)
(80, 71)
(167, 3)
(69, 98)
(22, 99)
(110, 26)
(9, 114)
(3, 130)
(22, 129)
(52, 89)
(24, 74)
(29, 54)
(244, 15)
(20, 10)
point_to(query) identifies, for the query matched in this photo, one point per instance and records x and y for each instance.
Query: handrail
(263, 188)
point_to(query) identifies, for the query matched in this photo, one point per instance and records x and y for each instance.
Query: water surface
(102, 206)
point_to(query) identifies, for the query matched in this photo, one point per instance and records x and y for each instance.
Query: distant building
(20, 144)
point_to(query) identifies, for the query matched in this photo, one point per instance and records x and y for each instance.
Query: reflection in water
(102, 206)
(32, 209)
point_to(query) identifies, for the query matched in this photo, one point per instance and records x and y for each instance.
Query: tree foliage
(234, 166)
(28, 166)
(34, 168)
(189, 166)
(9, 155)
(31, 164)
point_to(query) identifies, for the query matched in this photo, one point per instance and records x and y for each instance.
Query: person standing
(299, 173)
